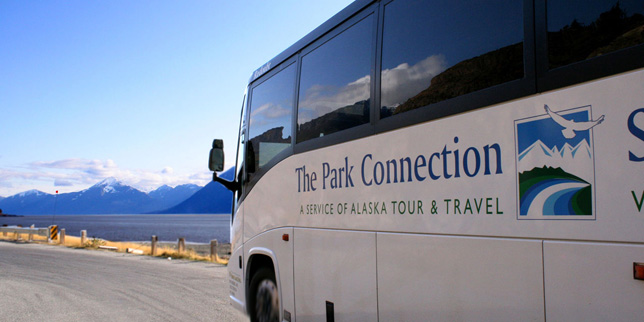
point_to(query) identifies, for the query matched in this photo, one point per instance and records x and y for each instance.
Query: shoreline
(193, 251)
(200, 228)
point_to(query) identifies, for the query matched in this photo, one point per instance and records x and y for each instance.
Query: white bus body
(455, 248)
(529, 209)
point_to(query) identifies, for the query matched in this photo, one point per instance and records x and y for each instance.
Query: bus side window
(604, 26)
(437, 50)
(271, 115)
(335, 83)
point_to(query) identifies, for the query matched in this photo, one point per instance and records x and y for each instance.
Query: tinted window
(271, 113)
(335, 83)
(437, 50)
(581, 29)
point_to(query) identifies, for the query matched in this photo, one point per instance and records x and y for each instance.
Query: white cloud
(62, 183)
(91, 168)
(78, 174)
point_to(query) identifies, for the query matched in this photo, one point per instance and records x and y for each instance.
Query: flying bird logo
(555, 164)
(570, 127)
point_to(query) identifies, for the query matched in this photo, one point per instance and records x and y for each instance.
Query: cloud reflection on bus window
(405, 81)
(271, 115)
(321, 100)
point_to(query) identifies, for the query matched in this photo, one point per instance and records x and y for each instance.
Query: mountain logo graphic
(555, 165)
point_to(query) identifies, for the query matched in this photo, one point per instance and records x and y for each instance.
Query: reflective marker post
(53, 232)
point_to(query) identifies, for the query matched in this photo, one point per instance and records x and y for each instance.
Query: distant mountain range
(110, 196)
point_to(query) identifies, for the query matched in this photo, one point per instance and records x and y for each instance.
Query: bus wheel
(266, 298)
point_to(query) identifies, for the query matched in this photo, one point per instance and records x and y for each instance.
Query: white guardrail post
(61, 236)
(181, 247)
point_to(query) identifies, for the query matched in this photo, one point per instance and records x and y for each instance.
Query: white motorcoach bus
(445, 161)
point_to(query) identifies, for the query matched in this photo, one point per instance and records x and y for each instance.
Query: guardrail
(58, 237)
(29, 231)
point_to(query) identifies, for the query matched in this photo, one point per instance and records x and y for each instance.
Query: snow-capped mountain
(166, 196)
(33, 201)
(577, 160)
(110, 185)
(211, 199)
(111, 196)
(160, 192)
(31, 193)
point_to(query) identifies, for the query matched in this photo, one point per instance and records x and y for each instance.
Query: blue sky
(135, 90)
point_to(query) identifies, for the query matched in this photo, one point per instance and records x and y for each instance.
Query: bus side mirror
(216, 164)
(216, 161)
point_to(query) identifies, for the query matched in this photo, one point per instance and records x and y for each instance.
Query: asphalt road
(51, 283)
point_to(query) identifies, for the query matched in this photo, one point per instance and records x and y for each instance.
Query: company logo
(555, 164)
(260, 71)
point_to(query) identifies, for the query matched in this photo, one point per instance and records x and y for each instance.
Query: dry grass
(94, 243)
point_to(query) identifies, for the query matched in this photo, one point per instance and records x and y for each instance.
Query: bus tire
(264, 296)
